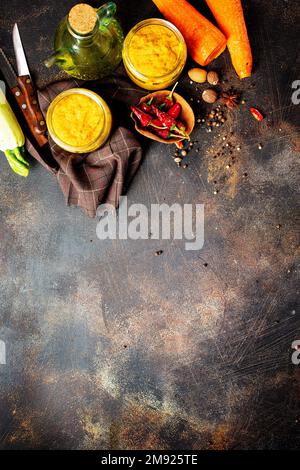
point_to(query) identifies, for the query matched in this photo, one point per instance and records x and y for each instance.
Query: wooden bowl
(186, 116)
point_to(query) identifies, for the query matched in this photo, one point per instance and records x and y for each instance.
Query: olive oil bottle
(88, 42)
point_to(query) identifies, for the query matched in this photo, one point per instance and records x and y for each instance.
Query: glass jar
(154, 54)
(79, 120)
(88, 42)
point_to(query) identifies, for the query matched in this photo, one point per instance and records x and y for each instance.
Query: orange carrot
(230, 18)
(204, 41)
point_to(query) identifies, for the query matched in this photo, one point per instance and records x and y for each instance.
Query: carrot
(204, 41)
(230, 18)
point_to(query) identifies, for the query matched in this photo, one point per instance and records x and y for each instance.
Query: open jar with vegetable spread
(154, 54)
(79, 120)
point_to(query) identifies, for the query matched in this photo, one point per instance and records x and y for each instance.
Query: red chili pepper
(168, 101)
(181, 126)
(180, 131)
(256, 114)
(143, 117)
(164, 133)
(168, 121)
(175, 110)
(156, 122)
(154, 107)
(145, 107)
(165, 118)
(166, 104)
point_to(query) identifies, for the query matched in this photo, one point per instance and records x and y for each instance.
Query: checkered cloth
(102, 176)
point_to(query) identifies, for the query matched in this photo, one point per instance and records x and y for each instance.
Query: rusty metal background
(111, 347)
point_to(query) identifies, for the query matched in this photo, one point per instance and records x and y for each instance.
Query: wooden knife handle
(27, 100)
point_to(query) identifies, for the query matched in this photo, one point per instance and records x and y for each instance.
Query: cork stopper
(82, 18)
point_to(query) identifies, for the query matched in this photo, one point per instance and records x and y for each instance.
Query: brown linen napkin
(102, 176)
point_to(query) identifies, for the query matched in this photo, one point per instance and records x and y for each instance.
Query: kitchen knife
(24, 91)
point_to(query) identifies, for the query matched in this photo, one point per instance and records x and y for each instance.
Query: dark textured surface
(109, 346)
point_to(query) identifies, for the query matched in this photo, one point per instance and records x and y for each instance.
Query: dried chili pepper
(168, 102)
(145, 107)
(164, 118)
(181, 126)
(164, 133)
(143, 117)
(167, 120)
(154, 107)
(256, 114)
(156, 123)
(175, 110)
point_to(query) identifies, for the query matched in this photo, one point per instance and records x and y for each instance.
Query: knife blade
(22, 66)
(7, 70)
(25, 93)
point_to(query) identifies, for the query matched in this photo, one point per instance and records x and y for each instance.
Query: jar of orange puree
(79, 120)
(154, 54)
